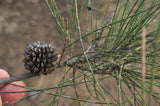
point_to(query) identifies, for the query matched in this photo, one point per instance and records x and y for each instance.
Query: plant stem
(17, 78)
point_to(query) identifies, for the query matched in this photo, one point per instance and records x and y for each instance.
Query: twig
(82, 59)
(109, 18)
(135, 46)
(17, 78)
(94, 44)
(143, 54)
(143, 63)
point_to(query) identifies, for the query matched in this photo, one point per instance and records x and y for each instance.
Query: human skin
(8, 98)
(0, 102)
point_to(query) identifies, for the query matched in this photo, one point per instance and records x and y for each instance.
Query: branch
(82, 60)
(17, 78)
(134, 46)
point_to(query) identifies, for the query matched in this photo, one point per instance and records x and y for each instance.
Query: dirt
(23, 22)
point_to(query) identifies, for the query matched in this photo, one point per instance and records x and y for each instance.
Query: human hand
(8, 98)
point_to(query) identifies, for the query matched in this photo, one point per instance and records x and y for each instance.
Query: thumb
(3, 75)
(0, 101)
(10, 97)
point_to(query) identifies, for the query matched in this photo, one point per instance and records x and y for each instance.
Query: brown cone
(40, 58)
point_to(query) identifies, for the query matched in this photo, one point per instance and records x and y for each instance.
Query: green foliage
(117, 57)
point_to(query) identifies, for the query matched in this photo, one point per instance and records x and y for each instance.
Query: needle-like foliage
(103, 52)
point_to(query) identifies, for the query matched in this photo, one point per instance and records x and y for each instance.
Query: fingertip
(3, 74)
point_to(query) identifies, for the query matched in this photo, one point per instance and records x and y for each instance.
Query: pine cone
(40, 58)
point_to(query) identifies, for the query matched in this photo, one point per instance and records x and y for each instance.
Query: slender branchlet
(17, 78)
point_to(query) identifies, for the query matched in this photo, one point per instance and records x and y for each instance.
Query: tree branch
(17, 78)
